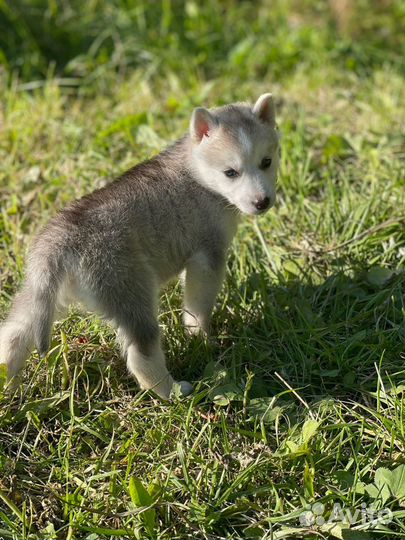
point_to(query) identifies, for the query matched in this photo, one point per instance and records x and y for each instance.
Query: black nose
(262, 204)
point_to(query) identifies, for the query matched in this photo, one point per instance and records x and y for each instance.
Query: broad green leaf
(384, 482)
(253, 532)
(263, 409)
(372, 490)
(397, 485)
(290, 532)
(154, 490)
(139, 495)
(334, 530)
(176, 391)
(360, 488)
(216, 371)
(223, 395)
(291, 267)
(141, 498)
(292, 447)
(382, 476)
(343, 532)
(379, 276)
(49, 533)
(345, 479)
(309, 429)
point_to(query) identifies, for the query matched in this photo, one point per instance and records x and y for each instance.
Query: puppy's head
(235, 153)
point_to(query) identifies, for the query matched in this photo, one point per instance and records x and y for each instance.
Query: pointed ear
(264, 109)
(202, 124)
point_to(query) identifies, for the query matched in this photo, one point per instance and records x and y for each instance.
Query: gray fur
(113, 249)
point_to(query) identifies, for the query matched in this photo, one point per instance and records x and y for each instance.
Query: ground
(299, 395)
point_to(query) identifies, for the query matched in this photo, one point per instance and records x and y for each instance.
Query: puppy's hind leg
(135, 306)
(146, 360)
(127, 294)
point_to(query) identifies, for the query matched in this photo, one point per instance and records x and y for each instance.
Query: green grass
(301, 394)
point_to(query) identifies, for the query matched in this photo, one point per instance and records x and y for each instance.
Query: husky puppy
(113, 249)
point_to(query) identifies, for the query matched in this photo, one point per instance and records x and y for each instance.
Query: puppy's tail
(30, 320)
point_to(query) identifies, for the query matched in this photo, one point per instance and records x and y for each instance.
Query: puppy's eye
(231, 173)
(266, 162)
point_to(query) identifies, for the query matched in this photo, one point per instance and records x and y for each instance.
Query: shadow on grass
(323, 339)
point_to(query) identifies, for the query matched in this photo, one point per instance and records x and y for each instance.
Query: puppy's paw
(195, 331)
(194, 325)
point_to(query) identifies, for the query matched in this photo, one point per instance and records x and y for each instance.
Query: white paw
(195, 325)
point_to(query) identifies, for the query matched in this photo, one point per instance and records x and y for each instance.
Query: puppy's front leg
(204, 276)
